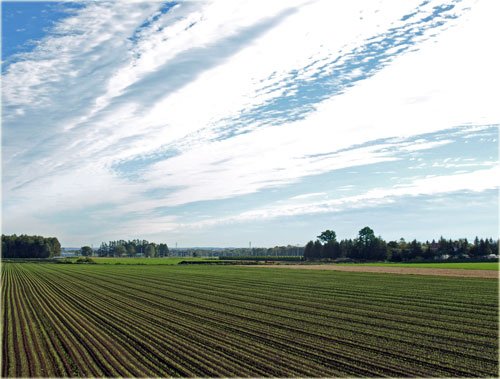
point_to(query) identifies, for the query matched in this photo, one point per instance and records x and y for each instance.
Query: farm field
(485, 274)
(211, 321)
(445, 265)
(145, 261)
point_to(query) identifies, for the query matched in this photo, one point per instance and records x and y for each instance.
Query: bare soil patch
(489, 274)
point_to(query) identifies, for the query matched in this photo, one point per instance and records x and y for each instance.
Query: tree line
(131, 248)
(276, 251)
(24, 246)
(367, 246)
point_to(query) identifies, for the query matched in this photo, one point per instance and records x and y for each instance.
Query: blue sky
(216, 123)
(25, 23)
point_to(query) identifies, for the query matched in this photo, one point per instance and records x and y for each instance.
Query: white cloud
(475, 181)
(98, 92)
(424, 145)
(308, 195)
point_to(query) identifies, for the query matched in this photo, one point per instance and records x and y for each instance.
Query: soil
(489, 274)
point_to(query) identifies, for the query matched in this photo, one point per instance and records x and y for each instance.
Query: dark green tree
(366, 236)
(364, 242)
(331, 250)
(317, 250)
(103, 250)
(120, 251)
(393, 251)
(328, 236)
(54, 246)
(86, 251)
(309, 251)
(25, 246)
(163, 250)
(415, 250)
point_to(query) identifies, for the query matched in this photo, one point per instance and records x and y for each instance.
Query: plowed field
(140, 321)
(392, 270)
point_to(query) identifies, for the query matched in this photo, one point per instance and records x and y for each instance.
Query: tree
(103, 250)
(415, 250)
(150, 250)
(331, 250)
(309, 251)
(366, 236)
(54, 246)
(317, 250)
(393, 252)
(378, 250)
(25, 246)
(120, 251)
(131, 251)
(163, 250)
(86, 251)
(428, 253)
(328, 236)
(484, 247)
(364, 242)
(474, 249)
(445, 247)
(347, 249)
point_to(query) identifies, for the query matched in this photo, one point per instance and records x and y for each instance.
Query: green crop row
(171, 321)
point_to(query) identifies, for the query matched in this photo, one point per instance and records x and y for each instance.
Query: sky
(219, 123)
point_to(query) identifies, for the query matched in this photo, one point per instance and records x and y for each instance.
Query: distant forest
(24, 246)
(132, 248)
(368, 247)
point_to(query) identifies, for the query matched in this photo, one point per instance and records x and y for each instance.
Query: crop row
(243, 302)
(355, 304)
(194, 299)
(227, 321)
(478, 333)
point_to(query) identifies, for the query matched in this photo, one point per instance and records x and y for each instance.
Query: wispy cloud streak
(127, 111)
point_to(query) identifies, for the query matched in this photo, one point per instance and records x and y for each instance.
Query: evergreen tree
(317, 250)
(308, 251)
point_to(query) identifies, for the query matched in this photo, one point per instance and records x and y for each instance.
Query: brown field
(489, 274)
